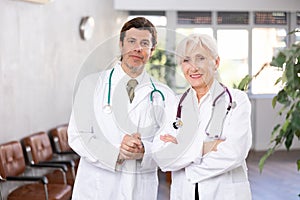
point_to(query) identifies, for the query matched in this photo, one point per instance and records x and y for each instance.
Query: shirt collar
(122, 73)
(207, 96)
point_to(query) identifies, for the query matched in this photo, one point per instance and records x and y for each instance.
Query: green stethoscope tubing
(109, 86)
(155, 90)
(151, 94)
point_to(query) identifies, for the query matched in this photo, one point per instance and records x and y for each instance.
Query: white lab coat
(220, 174)
(96, 136)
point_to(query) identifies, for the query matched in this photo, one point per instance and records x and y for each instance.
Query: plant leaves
(295, 120)
(285, 125)
(264, 158)
(275, 129)
(297, 133)
(282, 97)
(244, 84)
(274, 100)
(289, 139)
(288, 60)
(278, 80)
(278, 60)
(290, 74)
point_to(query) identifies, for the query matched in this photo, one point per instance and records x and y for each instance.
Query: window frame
(172, 24)
(290, 26)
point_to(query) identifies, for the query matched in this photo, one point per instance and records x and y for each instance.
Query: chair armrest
(42, 179)
(65, 152)
(61, 166)
(65, 162)
(70, 163)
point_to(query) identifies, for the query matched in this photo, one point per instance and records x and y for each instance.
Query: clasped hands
(131, 148)
(207, 146)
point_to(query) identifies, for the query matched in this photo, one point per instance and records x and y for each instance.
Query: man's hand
(131, 147)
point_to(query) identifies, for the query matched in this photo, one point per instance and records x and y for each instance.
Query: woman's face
(199, 67)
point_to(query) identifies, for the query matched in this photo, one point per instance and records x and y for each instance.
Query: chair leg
(46, 192)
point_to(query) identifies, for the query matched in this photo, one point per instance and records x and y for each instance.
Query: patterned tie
(132, 83)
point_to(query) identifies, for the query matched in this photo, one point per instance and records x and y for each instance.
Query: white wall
(264, 119)
(202, 5)
(40, 56)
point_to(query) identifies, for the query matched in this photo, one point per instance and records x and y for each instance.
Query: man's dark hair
(140, 23)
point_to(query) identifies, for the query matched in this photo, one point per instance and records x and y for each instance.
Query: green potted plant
(287, 60)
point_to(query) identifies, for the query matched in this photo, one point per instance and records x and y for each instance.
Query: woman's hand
(168, 138)
(211, 146)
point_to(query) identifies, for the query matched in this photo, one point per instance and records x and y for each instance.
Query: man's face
(136, 50)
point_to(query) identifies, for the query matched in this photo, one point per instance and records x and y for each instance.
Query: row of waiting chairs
(39, 166)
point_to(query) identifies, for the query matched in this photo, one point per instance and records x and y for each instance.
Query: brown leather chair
(39, 151)
(59, 140)
(59, 136)
(13, 169)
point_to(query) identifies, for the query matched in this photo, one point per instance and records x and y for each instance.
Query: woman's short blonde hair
(188, 44)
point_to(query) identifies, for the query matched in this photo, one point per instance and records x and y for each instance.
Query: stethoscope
(178, 123)
(108, 107)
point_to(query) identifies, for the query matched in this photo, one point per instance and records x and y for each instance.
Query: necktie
(132, 83)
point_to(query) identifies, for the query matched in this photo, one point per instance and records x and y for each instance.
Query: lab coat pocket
(236, 191)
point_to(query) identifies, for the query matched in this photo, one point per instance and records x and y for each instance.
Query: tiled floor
(279, 180)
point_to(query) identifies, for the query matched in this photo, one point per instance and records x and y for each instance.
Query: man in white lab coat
(112, 131)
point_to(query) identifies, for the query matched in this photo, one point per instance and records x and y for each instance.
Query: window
(278, 18)
(233, 51)
(158, 18)
(183, 32)
(194, 18)
(266, 42)
(233, 18)
(267, 32)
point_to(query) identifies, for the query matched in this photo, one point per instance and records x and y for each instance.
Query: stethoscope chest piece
(107, 109)
(177, 124)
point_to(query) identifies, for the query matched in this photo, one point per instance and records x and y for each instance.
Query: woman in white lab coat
(206, 147)
(113, 135)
